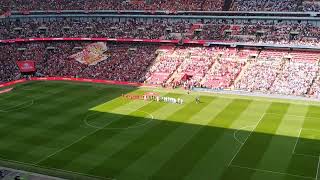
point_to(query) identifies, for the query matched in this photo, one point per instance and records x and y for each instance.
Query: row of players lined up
(165, 99)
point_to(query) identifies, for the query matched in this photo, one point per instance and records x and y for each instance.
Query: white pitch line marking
(65, 147)
(13, 108)
(246, 139)
(274, 172)
(294, 148)
(306, 155)
(105, 127)
(305, 117)
(97, 129)
(318, 169)
(235, 133)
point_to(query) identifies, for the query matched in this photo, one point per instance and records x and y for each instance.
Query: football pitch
(90, 131)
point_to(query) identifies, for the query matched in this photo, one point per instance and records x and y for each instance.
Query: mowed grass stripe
(14, 122)
(200, 143)
(119, 101)
(213, 163)
(134, 110)
(93, 141)
(303, 164)
(88, 160)
(108, 113)
(209, 166)
(57, 135)
(44, 112)
(135, 150)
(15, 127)
(176, 140)
(36, 137)
(255, 146)
(285, 140)
(21, 98)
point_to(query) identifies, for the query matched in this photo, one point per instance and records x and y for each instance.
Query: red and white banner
(92, 54)
(26, 66)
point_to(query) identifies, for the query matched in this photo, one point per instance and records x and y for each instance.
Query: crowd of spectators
(160, 5)
(315, 88)
(270, 71)
(226, 69)
(261, 32)
(197, 62)
(311, 5)
(131, 28)
(248, 32)
(260, 74)
(125, 63)
(281, 72)
(8, 69)
(164, 5)
(166, 63)
(295, 79)
(265, 5)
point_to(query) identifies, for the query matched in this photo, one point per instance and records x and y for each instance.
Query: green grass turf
(88, 131)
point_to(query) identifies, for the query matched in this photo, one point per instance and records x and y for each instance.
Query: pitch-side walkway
(257, 94)
(9, 174)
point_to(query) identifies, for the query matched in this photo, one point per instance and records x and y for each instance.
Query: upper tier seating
(166, 5)
(161, 5)
(250, 32)
(265, 5)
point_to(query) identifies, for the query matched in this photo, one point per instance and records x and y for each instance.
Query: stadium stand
(260, 74)
(265, 5)
(311, 5)
(167, 5)
(167, 61)
(250, 32)
(95, 28)
(217, 67)
(196, 63)
(270, 71)
(226, 69)
(297, 75)
(124, 62)
(161, 5)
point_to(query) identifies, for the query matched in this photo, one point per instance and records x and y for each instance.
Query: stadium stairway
(210, 67)
(314, 79)
(280, 71)
(227, 5)
(176, 75)
(239, 77)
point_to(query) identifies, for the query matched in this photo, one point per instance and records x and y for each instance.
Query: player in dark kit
(197, 99)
